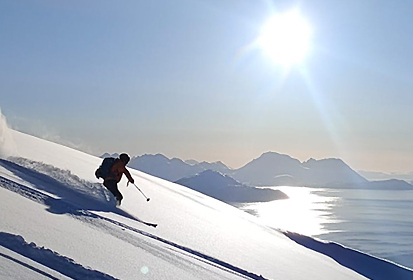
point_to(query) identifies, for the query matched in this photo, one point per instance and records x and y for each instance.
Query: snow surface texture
(62, 264)
(55, 212)
(61, 181)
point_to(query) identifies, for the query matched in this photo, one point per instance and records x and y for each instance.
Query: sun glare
(285, 38)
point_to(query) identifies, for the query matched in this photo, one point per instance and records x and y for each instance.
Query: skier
(116, 171)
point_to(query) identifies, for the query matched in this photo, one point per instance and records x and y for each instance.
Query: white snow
(7, 147)
(58, 221)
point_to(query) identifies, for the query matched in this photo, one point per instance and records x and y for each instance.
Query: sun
(285, 38)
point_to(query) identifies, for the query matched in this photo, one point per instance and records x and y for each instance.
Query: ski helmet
(125, 158)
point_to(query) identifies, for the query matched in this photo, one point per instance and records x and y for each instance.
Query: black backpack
(104, 169)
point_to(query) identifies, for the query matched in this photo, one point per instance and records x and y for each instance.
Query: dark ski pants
(112, 185)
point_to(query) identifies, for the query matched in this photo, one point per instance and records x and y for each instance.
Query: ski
(133, 217)
(150, 224)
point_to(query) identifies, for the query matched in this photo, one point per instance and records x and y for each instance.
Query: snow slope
(58, 222)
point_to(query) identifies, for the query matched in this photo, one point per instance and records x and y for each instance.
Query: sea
(376, 222)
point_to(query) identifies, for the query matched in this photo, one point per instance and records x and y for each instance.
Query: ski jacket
(117, 170)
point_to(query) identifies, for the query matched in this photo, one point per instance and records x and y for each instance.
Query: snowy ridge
(18, 244)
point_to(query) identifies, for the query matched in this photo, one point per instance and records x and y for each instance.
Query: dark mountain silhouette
(272, 169)
(172, 169)
(225, 188)
(330, 171)
(163, 167)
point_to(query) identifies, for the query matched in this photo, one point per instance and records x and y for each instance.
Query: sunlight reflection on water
(377, 222)
(304, 212)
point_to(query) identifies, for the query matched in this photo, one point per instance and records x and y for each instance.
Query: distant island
(225, 188)
(380, 176)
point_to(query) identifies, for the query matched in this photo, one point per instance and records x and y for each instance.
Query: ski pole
(147, 198)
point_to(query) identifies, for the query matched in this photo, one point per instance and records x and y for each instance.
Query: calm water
(376, 222)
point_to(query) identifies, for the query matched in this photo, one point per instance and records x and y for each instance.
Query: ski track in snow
(60, 206)
(28, 266)
(49, 258)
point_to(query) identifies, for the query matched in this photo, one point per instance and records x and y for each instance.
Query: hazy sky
(183, 78)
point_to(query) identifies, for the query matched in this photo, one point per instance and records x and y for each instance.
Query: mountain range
(269, 169)
(171, 169)
(274, 169)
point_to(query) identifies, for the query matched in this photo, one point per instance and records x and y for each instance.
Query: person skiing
(116, 171)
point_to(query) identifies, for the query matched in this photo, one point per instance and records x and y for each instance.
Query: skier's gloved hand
(132, 181)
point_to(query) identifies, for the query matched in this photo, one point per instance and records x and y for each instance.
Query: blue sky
(181, 78)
